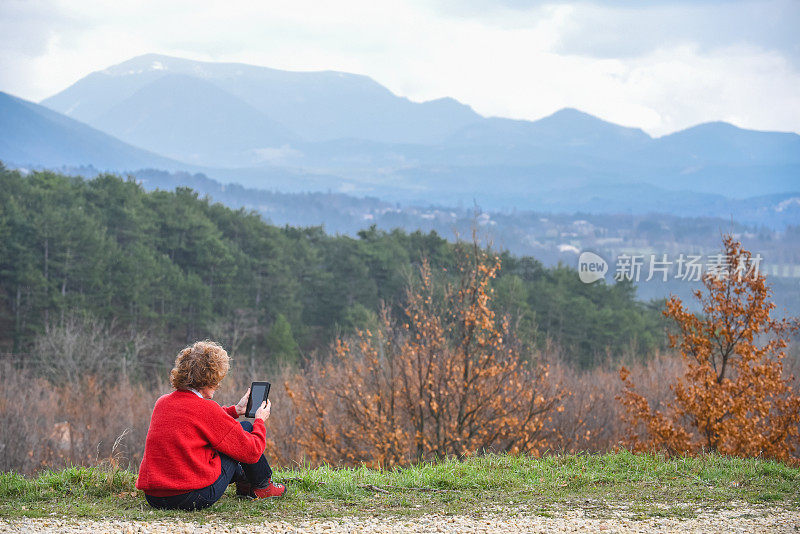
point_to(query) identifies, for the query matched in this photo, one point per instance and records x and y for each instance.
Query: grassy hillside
(638, 485)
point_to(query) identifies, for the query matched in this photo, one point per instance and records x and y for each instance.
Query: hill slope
(33, 134)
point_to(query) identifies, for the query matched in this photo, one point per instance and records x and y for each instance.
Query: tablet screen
(257, 394)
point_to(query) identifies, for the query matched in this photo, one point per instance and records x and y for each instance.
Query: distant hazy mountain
(567, 129)
(33, 134)
(193, 120)
(723, 143)
(314, 105)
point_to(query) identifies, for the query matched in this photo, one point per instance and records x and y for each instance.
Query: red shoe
(272, 490)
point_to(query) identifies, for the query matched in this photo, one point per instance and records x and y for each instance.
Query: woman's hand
(241, 406)
(263, 411)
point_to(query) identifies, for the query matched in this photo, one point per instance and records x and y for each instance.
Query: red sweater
(186, 431)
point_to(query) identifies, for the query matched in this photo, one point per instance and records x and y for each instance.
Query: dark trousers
(257, 474)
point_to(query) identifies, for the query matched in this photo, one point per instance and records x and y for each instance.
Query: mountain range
(305, 131)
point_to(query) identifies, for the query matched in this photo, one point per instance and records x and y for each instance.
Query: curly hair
(201, 365)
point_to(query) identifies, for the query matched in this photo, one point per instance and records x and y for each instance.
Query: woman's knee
(247, 425)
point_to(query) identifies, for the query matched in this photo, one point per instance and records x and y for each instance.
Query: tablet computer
(259, 391)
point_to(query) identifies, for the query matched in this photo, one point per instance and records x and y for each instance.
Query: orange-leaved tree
(733, 397)
(443, 379)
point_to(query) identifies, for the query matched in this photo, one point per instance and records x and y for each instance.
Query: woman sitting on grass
(195, 448)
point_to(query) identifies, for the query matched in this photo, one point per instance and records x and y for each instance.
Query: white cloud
(514, 61)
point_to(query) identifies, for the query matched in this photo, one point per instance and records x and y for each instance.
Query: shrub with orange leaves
(443, 379)
(733, 397)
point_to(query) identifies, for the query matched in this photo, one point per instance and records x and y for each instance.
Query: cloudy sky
(661, 65)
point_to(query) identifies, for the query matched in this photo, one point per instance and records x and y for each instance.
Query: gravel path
(748, 520)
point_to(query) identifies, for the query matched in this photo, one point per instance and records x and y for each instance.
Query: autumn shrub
(733, 396)
(51, 425)
(589, 418)
(27, 416)
(444, 378)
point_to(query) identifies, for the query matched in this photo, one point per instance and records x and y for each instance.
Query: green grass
(640, 485)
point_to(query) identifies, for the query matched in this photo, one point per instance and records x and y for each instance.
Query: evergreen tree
(281, 343)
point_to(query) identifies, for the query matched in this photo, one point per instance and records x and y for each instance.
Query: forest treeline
(181, 267)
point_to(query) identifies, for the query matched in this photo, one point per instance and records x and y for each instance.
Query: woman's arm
(242, 445)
